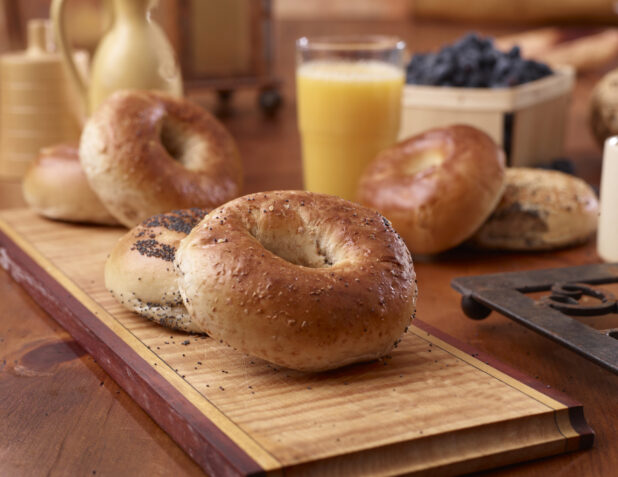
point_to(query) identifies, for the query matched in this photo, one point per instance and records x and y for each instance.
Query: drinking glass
(349, 107)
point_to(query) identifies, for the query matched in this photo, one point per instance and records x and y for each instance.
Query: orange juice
(348, 111)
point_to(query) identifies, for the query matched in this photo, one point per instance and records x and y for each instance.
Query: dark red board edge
(213, 451)
(576, 410)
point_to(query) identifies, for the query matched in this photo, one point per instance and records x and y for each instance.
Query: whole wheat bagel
(306, 281)
(56, 187)
(147, 152)
(437, 187)
(139, 271)
(540, 210)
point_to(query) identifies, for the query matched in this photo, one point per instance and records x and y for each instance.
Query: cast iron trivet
(549, 315)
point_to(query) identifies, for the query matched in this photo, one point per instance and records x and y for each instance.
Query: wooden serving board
(432, 407)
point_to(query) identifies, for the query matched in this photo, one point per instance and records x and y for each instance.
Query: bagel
(438, 187)
(306, 281)
(139, 271)
(147, 152)
(540, 210)
(56, 187)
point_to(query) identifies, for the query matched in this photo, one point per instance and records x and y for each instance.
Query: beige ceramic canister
(38, 103)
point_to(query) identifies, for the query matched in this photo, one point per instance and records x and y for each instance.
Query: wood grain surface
(427, 406)
(61, 414)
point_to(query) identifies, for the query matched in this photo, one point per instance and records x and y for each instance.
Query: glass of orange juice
(349, 107)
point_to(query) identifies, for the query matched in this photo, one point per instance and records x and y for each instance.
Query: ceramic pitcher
(133, 54)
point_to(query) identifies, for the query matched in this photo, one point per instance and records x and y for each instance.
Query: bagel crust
(306, 281)
(540, 210)
(139, 271)
(56, 187)
(146, 152)
(437, 187)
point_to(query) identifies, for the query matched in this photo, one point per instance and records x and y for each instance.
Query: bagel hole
(180, 144)
(297, 248)
(171, 140)
(424, 160)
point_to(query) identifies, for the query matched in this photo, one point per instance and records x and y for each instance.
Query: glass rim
(351, 43)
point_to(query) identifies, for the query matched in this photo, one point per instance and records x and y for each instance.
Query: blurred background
(229, 49)
(88, 18)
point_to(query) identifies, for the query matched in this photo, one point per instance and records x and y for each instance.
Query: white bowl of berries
(522, 104)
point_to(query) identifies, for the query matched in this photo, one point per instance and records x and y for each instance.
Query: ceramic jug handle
(57, 17)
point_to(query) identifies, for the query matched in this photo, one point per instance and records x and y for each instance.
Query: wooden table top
(60, 414)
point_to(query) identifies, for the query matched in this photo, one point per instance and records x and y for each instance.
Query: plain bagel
(306, 281)
(56, 187)
(438, 187)
(147, 152)
(139, 271)
(540, 210)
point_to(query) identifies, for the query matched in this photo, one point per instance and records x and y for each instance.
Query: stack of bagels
(306, 281)
(141, 153)
(450, 185)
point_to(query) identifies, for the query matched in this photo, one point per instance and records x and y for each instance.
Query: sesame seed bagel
(437, 187)
(56, 187)
(306, 281)
(540, 210)
(147, 152)
(140, 274)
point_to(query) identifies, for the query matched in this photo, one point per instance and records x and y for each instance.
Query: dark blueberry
(489, 58)
(470, 60)
(459, 78)
(476, 80)
(443, 72)
(515, 52)
(417, 62)
(448, 52)
(487, 44)
(469, 42)
(512, 80)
